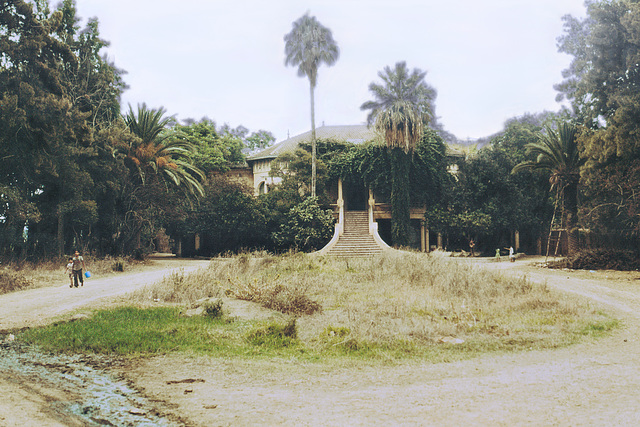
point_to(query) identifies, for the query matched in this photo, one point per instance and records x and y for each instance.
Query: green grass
(130, 331)
(147, 331)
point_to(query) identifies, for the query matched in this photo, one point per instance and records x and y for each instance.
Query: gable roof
(349, 133)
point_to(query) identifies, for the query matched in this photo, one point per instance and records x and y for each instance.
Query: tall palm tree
(556, 152)
(308, 45)
(403, 106)
(153, 155)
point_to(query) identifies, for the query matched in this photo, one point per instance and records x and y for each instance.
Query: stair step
(356, 242)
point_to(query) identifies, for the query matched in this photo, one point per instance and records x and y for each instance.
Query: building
(347, 198)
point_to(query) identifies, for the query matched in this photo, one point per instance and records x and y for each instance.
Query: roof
(349, 133)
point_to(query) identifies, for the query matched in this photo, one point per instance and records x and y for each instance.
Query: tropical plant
(556, 152)
(308, 45)
(403, 106)
(152, 154)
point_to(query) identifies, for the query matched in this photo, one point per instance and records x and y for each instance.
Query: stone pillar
(371, 203)
(340, 202)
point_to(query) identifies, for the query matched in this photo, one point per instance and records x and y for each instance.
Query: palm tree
(153, 155)
(403, 106)
(556, 152)
(308, 45)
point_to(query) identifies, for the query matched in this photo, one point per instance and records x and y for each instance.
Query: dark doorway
(355, 196)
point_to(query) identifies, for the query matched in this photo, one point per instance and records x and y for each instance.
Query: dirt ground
(595, 383)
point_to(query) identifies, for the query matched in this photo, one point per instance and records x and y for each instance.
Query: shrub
(286, 299)
(213, 308)
(601, 259)
(10, 282)
(118, 265)
(274, 335)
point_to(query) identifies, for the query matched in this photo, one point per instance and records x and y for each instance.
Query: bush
(274, 335)
(213, 309)
(307, 226)
(10, 282)
(601, 259)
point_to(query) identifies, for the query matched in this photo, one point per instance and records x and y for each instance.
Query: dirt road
(587, 384)
(25, 403)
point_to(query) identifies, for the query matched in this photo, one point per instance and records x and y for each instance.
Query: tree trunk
(400, 214)
(313, 143)
(60, 236)
(571, 217)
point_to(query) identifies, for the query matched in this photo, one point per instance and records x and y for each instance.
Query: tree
(556, 152)
(155, 160)
(403, 106)
(602, 84)
(156, 156)
(307, 46)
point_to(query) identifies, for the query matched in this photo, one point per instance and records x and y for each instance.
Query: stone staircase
(355, 242)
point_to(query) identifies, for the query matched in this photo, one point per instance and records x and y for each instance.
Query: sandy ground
(596, 383)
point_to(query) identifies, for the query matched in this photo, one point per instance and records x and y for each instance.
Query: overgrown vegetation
(392, 307)
(601, 259)
(11, 281)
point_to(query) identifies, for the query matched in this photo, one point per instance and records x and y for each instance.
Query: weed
(10, 282)
(274, 335)
(213, 309)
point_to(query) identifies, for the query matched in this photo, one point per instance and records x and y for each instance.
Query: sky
(489, 60)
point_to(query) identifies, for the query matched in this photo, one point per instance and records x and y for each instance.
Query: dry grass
(23, 275)
(396, 299)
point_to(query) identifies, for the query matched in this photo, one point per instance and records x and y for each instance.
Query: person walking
(78, 265)
(69, 271)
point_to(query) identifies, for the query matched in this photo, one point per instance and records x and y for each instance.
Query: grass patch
(393, 307)
(136, 331)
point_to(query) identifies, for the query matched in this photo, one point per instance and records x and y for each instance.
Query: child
(69, 271)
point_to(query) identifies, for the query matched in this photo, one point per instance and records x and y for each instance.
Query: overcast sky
(224, 59)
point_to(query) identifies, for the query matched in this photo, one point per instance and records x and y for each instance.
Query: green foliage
(602, 85)
(307, 226)
(228, 218)
(212, 152)
(308, 45)
(404, 105)
(259, 140)
(556, 153)
(483, 201)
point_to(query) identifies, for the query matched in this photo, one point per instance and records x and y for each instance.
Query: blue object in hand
(87, 274)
